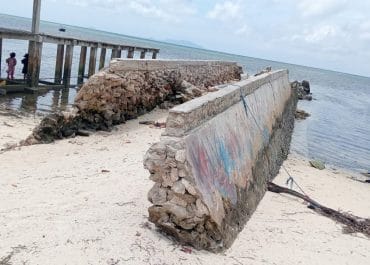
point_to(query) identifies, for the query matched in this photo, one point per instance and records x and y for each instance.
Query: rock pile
(129, 88)
(303, 89)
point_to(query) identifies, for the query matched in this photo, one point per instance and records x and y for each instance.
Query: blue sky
(330, 34)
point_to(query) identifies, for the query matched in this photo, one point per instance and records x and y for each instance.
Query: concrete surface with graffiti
(212, 163)
(222, 152)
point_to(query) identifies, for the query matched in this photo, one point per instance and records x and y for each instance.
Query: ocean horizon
(338, 131)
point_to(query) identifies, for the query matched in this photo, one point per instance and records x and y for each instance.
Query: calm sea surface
(338, 131)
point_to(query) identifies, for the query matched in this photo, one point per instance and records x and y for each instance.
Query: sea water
(337, 132)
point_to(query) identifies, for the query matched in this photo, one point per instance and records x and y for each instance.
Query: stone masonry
(129, 88)
(213, 161)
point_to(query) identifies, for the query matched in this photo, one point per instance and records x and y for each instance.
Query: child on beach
(25, 66)
(12, 62)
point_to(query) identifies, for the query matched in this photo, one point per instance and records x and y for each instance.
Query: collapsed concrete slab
(213, 161)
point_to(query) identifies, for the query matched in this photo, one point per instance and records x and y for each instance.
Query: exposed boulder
(303, 89)
(317, 164)
(301, 114)
(306, 86)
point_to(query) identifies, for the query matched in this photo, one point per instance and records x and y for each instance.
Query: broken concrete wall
(211, 166)
(128, 88)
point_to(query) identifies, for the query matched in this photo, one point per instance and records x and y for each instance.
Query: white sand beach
(14, 127)
(84, 201)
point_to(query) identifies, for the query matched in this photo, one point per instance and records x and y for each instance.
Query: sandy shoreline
(84, 201)
(15, 127)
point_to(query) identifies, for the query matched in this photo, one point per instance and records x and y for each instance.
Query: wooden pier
(64, 55)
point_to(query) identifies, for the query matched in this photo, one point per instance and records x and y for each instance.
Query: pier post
(64, 98)
(68, 66)
(103, 52)
(55, 100)
(119, 53)
(130, 53)
(36, 16)
(59, 64)
(81, 65)
(1, 52)
(114, 53)
(154, 56)
(142, 54)
(34, 62)
(92, 61)
(35, 47)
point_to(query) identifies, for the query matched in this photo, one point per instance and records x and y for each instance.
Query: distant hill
(184, 43)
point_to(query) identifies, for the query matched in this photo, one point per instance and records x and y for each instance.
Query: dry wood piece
(352, 223)
(147, 122)
(154, 123)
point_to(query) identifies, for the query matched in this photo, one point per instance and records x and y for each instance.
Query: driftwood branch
(352, 223)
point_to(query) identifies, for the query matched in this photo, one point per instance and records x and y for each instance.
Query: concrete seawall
(211, 166)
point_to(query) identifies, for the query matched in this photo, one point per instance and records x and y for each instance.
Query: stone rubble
(303, 89)
(301, 114)
(129, 88)
(264, 71)
(176, 202)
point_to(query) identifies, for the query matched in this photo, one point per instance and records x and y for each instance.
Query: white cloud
(232, 16)
(226, 10)
(80, 3)
(167, 10)
(147, 9)
(310, 8)
(365, 36)
(322, 33)
(364, 29)
(365, 26)
(242, 30)
(322, 39)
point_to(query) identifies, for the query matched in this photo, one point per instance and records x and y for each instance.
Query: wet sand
(84, 201)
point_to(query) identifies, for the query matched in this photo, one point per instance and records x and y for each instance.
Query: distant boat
(62, 29)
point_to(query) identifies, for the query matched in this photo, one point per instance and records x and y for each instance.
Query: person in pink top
(12, 62)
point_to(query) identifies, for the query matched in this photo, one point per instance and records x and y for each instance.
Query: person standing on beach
(25, 66)
(12, 62)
